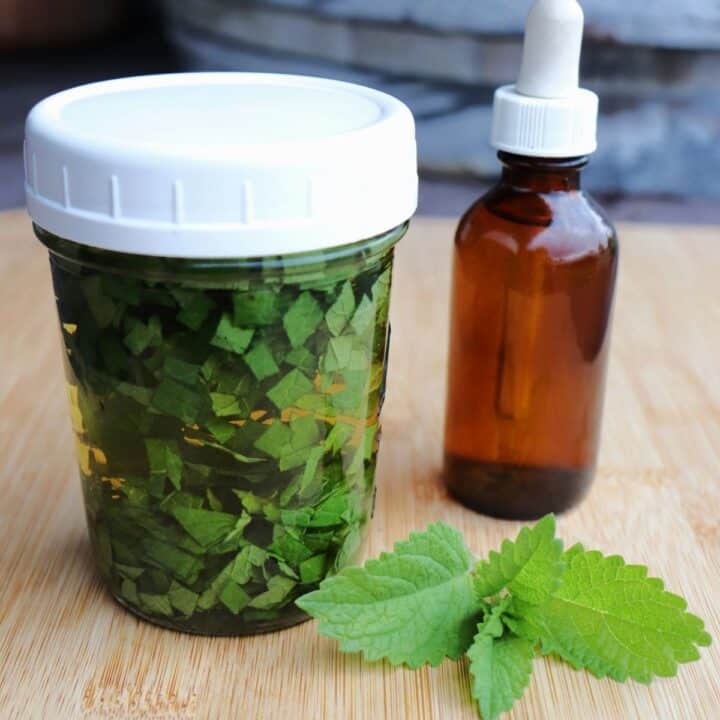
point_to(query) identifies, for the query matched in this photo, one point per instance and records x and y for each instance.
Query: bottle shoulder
(566, 224)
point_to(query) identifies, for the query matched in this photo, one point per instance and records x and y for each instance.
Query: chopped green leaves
(140, 336)
(195, 310)
(233, 597)
(227, 405)
(226, 428)
(178, 400)
(205, 526)
(260, 307)
(100, 305)
(229, 337)
(338, 354)
(288, 390)
(180, 370)
(362, 320)
(182, 599)
(302, 318)
(261, 362)
(340, 312)
(279, 588)
(164, 459)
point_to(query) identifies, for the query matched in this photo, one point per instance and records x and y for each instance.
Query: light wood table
(68, 651)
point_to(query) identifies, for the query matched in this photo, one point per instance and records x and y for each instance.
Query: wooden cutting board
(68, 651)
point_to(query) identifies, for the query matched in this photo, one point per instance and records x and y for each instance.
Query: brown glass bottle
(533, 283)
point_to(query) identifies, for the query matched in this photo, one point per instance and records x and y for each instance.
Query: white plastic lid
(547, 114)
(220, 164)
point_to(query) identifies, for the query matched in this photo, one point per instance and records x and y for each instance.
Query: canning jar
(221, 250)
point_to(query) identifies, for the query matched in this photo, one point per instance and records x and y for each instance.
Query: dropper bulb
(551, 53)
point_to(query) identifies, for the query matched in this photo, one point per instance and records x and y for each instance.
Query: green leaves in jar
(227, 432)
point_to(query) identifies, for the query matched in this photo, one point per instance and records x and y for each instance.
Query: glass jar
(226, 408)
(226, 420)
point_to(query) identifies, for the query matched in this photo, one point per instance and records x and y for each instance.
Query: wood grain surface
(68, 651)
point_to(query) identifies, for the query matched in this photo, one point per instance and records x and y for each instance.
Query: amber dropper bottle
(533, 282)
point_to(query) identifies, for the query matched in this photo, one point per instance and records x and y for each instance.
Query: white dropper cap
(547, 114)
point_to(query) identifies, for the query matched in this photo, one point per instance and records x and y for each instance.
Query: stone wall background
(655, 64)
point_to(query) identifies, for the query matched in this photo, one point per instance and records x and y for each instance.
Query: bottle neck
(541, 175)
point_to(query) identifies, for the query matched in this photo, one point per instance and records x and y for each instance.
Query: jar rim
(154, 268)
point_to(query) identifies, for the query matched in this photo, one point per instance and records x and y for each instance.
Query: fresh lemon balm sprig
(429, 599)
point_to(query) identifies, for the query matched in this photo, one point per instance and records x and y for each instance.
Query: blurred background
(655, 64)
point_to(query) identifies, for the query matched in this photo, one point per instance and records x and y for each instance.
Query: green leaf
(614, 620)
(233, 597)
(180, 370)
(221, 430)
(140, 394)
(128, 590)
(260, 307)
(182, 599)
(213, 500)
(338, 436)
(101, 306)
(340, 312)
(313, 569)
(179, 498)
(279, 588)
(174, 398)
(500, 668)
(302, 359)
(292, 386)
(209, 598)
(354, 398)
(302, 318)
(128, 571)
(275, 440)
(304, 431)
(122, 288)
(231, 338)
(226, 405)
(205, 526)
(288, 547)
(180, 564)
(141, 336)
(242, 566)
(294, 457)
(530, 568)
(415, 605)
(261, 361)
(316, 403)
(113, 353)
(309, 474)
(156, 604)
(339, 353)
(245, 459)
(381, 291)
(164, 458)
(331, 511)
(195, 310)
(364, 317)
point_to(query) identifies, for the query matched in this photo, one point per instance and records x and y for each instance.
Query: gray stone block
(660, 123)
(666, 23)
